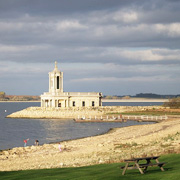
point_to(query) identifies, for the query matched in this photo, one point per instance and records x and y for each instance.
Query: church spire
(55, 65)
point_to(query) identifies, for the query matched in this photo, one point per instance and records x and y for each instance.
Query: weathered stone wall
(40, 112)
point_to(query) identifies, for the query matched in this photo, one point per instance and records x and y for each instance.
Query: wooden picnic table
(135, 163)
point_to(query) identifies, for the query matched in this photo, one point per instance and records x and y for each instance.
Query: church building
(56, 97)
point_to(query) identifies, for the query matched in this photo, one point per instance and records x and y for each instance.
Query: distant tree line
(4, 97)
(173, 103)
(142, 95)
(151, 95)
(2, 94)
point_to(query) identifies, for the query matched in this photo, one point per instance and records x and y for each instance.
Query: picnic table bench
(134, 163)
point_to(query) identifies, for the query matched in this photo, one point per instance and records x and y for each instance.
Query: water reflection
(13, 131)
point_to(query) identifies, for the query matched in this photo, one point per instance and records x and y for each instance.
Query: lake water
(13, 131)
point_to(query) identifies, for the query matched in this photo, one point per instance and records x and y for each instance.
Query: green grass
(99, 172)
(150, 113)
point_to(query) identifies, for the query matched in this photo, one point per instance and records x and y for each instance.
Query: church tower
(55, 81)
(57, 98)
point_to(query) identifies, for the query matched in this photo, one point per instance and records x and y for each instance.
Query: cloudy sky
(117, 47)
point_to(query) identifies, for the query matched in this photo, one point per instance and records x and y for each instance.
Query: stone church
(56, 97)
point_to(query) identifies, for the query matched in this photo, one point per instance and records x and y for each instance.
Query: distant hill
(4, 97)
(142, 95)
(151, 95)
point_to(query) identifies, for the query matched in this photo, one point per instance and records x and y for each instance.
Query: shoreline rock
(72, 113)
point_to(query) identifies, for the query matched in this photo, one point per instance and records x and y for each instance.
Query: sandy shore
(118, 144)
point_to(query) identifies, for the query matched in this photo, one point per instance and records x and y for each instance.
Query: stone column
(61, 81)
(55, 83)
(49, 82)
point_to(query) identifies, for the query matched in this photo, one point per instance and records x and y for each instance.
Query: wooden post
(162, 169)
(124, 170)
(140, 170)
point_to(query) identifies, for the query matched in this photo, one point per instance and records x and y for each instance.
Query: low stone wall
(68, 113)
(38, 112)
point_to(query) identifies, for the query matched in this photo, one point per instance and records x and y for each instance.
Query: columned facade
(56, 97)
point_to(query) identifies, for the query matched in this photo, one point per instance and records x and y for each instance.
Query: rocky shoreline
(73, 113)
(116, 145)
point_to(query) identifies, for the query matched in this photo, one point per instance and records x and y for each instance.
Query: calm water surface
(13, 131)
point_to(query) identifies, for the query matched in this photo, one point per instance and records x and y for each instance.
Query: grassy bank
(148, 113)
(98, 172)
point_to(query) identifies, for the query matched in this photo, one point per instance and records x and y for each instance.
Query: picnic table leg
(125, 168)
(140, 170)
(145, 169)
(148, 162)
(162, 169)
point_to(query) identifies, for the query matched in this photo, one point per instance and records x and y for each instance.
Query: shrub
(173, 103)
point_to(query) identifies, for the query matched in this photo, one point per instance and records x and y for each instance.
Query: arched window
(83, 103)
(57, 82)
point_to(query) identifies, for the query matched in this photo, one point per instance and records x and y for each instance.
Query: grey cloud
(118, 40)
(53, 7)
(91, 55)
(91, 35)
(61, 8)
